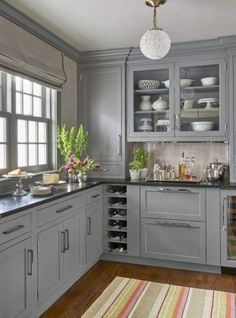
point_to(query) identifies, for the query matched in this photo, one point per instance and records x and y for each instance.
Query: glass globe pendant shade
(155, 44)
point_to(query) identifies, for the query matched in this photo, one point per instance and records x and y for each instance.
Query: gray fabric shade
(23, 53)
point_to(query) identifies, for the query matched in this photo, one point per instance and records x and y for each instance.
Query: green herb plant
(135, 165)
(141, 155)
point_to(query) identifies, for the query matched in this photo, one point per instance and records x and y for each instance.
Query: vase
(72, 178)
(134, 174)
(82, 178)
(145, 104)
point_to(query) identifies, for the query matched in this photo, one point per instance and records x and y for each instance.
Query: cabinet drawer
(93, 195)
(60, 209)
(173, 240)
(14, 228)
(173, 203)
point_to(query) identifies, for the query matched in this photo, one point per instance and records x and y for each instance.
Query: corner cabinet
(101, 109)
(192, 110)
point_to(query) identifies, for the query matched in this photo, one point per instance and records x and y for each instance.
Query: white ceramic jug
(159, 104)
(145, 103)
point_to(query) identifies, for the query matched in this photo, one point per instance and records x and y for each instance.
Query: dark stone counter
(10, 204)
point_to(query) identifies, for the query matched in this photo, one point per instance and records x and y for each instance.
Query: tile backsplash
(171, 153)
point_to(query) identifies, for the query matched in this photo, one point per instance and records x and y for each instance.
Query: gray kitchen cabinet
(49, 276)
(173, 203)
(94, 226)
(178, 120)
(228, 226)
(101, 109)
(232, 116)
(173, 240)
(60, 255)
(16, 280)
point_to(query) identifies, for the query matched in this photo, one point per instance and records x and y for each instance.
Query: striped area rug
(126, 297)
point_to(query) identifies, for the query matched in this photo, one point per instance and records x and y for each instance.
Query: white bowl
(166, 83)
(202, 125)
(148, 84)
(185, 82)
(209, 81)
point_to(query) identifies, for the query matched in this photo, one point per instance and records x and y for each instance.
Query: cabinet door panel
(173, 240)
(94, 232)
(15, 300)
(102, 104)
(71, 256)
(49, 262)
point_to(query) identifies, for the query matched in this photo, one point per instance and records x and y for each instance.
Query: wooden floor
(82, 294)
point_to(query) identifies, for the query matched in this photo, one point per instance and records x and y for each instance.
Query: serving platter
(40, 182)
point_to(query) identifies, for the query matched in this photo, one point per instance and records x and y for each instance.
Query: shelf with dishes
(199, 113)
(151, 91)
(202, 88)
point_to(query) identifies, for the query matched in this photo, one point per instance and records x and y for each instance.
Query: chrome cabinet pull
(224, 215)
(175, 224)
(13, 229)
(118, 145)
(174, 190)
(30, 259)
(96, 195)
(67, 240)
(63, 242)
(89, 226)
(64, 209)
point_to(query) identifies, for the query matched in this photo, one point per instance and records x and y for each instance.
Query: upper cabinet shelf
(170, 113)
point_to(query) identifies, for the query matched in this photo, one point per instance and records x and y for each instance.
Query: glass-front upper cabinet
(179, 101)
(228, 237)
(151, 102)
(200, 98)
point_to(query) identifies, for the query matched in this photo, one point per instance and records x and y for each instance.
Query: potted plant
(72, 145)
(141, 155)
(134, 170)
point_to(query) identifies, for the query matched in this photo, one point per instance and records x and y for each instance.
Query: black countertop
(10, 204)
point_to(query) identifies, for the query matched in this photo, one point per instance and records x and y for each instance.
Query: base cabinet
(60, 255)
(94, 237)
(173, 240)
(16, 280)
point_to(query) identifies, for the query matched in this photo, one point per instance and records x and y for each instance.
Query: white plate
(45, 184)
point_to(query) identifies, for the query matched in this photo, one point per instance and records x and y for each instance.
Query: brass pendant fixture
(155, 43)
(154, 3)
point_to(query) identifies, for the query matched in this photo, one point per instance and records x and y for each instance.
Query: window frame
(9, 112)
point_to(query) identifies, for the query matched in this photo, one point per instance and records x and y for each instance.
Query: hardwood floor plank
(84, 292)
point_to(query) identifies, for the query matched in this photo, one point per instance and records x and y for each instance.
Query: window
(27, 124)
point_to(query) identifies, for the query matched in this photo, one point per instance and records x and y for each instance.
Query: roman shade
(23, 53)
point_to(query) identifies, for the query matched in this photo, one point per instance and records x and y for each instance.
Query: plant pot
(134, 174)
(143, 173)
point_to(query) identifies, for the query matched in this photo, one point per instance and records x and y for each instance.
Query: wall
(171, 153)
(69, 94)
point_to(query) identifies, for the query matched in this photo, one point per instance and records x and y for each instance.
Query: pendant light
(155, 43)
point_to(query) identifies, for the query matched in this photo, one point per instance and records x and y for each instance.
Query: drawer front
(93, 195)
(62, 209)
(11, 229)
(173, 240)
(173, 203)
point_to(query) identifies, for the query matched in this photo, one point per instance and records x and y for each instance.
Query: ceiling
(96, 25)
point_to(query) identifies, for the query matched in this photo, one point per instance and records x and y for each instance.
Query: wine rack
(116, 219)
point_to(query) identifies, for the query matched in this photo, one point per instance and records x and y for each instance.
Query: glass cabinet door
(229, 226)
(150, 102)
(200, 102)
